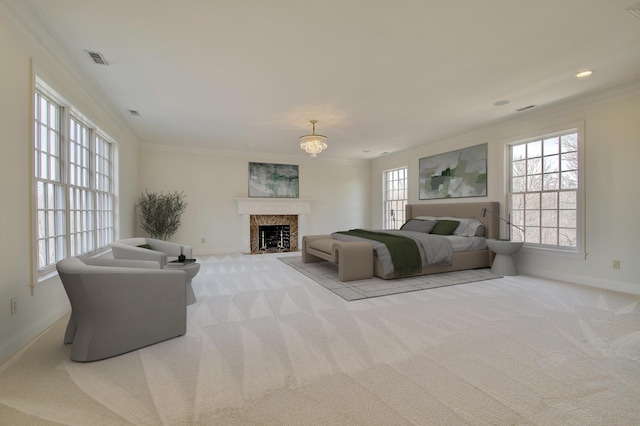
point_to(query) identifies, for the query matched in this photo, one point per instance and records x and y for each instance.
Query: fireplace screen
(273, 238)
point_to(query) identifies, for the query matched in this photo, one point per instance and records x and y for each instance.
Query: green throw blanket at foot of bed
(404, 252)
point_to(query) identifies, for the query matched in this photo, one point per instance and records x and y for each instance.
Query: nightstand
(503, 263)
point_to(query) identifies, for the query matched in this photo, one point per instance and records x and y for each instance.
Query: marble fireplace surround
(271, 207)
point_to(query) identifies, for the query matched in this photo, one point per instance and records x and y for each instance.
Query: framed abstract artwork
(455, 174)
(273, 180)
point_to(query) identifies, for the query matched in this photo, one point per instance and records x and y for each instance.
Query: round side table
(192, 270)
(503, 263)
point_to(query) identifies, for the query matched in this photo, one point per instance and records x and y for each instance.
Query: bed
(358, 258)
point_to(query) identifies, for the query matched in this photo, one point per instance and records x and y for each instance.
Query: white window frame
(49, 194)
(395, 196)
(520, 220)
(77, 219)
(104, 188)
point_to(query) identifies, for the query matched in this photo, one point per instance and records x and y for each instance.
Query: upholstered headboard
(462, 210)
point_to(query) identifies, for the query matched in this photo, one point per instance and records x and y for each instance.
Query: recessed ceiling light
(500, 103)
(584, 74)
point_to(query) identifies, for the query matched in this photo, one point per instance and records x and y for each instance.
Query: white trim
(33, 273)
(20, 342)
(582, 280)
(576, 255)
(264, 156)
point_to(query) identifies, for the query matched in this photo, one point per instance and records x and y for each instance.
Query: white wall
(612, 151)
(339, 192)
(48, 302)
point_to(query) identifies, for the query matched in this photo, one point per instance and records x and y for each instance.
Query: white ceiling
(379, 76)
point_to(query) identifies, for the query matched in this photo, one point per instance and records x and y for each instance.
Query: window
(545, 191)
(104, 192)
(50, 193)
(395, 198)
(73, 171)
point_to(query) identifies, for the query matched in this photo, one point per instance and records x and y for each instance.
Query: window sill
(53, 272)
(576, 255)
(46, 275)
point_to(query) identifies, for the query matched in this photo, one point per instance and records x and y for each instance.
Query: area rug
(326, 274)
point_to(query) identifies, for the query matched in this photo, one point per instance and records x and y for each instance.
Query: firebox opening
(273, 238)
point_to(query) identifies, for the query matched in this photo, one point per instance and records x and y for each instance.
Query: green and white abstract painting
(455, 174)
(273, 180)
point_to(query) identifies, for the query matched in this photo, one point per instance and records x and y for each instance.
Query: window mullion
(66, 173)
(93, 185)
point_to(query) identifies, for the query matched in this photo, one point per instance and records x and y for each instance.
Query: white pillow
(474, 228)
(467, 227)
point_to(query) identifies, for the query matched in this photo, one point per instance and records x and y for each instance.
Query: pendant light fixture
(313, 144)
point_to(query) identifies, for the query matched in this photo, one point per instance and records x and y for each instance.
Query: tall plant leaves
(160, 213)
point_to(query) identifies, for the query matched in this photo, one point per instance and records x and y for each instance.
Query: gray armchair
(118, 306)
(159, 251)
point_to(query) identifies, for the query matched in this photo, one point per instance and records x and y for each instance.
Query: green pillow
(147, 246)
(445, 227)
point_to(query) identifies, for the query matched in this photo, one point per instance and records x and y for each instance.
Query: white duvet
(467, 243)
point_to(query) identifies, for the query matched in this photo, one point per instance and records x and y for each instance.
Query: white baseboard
(205, 252)
(16, 343)
(587, 281)
(211, 252)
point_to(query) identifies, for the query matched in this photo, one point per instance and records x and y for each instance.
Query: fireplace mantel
(270, 206)
(273, 206)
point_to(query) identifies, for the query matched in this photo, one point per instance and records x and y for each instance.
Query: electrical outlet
(616, 264)
(14, 306)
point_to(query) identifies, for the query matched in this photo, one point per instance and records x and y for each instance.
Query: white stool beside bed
(503, 263)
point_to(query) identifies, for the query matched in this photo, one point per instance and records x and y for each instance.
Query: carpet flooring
(266, 345)
(326, 274)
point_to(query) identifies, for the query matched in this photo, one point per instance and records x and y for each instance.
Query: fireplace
(256, 212)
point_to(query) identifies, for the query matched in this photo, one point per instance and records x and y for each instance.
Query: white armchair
(118, 306)
(160, 251)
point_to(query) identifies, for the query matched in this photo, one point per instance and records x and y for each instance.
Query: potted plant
(160, 213)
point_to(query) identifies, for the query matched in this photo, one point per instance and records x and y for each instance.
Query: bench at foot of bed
(354, 258)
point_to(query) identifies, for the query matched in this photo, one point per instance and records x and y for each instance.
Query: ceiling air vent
(635, 10)
(525, 108)
(97, 57)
